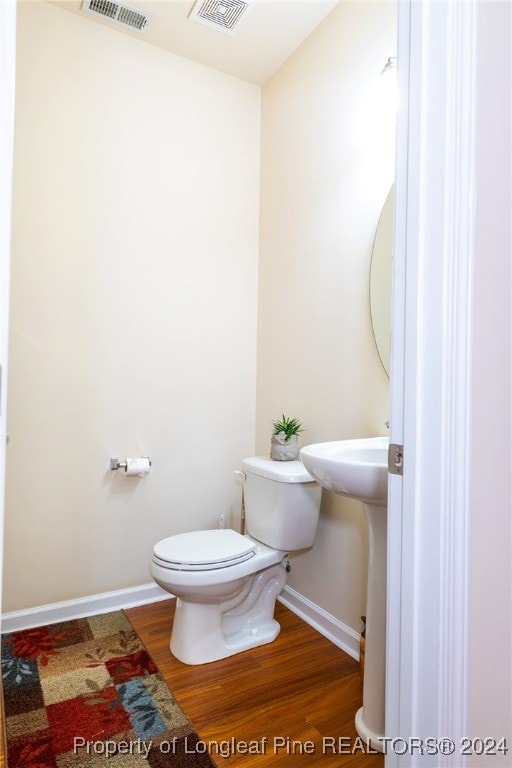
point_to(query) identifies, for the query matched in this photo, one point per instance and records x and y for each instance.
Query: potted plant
(284, 444)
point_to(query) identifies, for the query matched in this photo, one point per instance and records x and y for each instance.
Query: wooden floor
(291, 702)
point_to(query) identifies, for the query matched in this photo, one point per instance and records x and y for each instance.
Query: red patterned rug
(86, 693)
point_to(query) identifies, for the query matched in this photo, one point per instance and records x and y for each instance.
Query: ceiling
(267, 34)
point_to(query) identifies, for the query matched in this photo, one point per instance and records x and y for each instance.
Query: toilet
(227, 583)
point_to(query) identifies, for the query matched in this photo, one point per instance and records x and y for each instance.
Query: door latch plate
(395, 459)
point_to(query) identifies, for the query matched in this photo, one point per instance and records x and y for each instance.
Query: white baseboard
(83, 606)
(328, 625)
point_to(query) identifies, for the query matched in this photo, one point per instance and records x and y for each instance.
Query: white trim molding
(428, 574)
(83, 606)
(328, 625)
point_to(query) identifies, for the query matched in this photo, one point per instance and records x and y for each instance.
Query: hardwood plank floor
(292, 702)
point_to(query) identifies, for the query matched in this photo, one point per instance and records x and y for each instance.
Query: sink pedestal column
(370, 718)
(359, 469)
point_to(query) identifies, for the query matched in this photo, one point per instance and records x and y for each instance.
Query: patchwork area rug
(86, 693)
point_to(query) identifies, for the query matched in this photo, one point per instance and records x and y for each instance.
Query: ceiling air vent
(221, 15)
(119, 13)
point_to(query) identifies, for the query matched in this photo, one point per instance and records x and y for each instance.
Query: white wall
(7, 87)
(133, 325)
(134, 292)
(327, 166)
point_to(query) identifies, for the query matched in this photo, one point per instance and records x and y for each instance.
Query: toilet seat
(203, 550)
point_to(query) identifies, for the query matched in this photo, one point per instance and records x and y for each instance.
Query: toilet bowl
(227, 583)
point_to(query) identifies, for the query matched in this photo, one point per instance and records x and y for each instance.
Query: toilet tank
(282, 503)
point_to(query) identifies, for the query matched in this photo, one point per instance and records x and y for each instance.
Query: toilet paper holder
(116, 464)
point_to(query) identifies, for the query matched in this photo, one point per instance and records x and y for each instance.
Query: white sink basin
(355, 468)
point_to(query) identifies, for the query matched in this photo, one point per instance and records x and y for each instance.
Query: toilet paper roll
(138, 466)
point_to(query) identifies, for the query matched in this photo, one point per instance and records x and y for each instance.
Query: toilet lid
(203, 550)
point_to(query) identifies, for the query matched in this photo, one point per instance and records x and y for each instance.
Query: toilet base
(208, 632)
(240, 641)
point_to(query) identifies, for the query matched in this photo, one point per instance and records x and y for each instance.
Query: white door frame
(430, 381)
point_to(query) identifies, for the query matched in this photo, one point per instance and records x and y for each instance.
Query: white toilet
(226, 583)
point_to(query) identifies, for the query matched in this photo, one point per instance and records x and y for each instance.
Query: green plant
(290, 427)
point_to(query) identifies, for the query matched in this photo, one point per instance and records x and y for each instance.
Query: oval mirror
(380, 281)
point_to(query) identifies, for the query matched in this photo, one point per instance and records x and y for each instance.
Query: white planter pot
(282, 449)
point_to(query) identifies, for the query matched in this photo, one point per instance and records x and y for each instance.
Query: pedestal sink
(359, 469)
